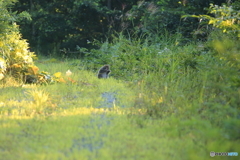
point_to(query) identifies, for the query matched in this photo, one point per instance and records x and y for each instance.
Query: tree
(67, 25)
(62, 24)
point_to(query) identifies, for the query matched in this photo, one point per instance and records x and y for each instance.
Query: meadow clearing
(173, 91)
(84, 117)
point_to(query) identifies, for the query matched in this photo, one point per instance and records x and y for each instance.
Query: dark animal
(104, 71)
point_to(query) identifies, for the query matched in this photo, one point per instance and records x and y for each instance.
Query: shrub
(15, 58)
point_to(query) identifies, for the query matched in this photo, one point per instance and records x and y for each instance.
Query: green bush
(16, 57)
(16, 60)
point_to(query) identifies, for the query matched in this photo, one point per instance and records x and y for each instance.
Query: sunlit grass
(169, 113)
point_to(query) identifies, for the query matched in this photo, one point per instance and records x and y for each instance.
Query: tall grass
(195, 87)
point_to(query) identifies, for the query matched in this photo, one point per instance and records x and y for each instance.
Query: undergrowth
(195, 87)
(162, 96)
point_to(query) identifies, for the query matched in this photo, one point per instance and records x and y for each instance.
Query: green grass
(162, 104)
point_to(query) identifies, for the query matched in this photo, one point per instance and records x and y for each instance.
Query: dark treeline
(65, 26)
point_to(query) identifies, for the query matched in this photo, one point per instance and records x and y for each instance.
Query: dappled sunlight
(88, 111)
(87, 95)
(20, 111)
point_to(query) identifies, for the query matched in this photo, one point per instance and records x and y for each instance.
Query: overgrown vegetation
(165, 99)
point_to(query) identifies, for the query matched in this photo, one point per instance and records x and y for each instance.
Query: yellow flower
(57, 75)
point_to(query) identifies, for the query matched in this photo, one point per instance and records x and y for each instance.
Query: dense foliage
(64, 27)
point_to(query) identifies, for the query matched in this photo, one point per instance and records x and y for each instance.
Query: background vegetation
(60, 28)
(173, 93)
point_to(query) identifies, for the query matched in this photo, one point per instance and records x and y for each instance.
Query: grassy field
(173, 105)
(95, 119)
